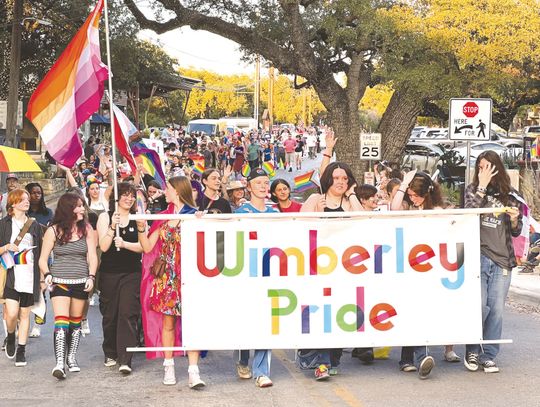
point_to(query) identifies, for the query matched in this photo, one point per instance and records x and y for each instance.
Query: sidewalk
(525, 287)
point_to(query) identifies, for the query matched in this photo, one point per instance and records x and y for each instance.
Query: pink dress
(152, 319)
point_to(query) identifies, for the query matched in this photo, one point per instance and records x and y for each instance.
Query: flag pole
(111, 110)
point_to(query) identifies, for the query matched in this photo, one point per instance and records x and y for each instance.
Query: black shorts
(69, 290)
(24, 299)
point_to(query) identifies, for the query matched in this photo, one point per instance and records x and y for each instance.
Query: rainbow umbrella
(15, 160)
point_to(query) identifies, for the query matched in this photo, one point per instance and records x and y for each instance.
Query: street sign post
(370, 146)
(470, 120)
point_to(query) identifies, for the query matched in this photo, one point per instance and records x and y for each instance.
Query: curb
(524, 296)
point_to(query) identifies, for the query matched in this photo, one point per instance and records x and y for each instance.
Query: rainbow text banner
(331, 283)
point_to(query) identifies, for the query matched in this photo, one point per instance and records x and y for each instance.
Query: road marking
(318, 391)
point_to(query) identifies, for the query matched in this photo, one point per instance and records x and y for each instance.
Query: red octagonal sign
(470, 109)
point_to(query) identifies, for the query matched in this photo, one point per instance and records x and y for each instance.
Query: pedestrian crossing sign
(470, 119)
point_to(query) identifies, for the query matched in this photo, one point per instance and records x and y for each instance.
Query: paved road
(380, 384)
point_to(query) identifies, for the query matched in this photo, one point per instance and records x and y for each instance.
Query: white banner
(330, 283)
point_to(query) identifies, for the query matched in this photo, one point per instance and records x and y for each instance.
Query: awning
(99, 119)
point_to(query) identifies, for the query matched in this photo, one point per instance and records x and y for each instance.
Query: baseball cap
(12, 175)
(255, 173)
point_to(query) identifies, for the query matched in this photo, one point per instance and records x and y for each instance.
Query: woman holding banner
(120, 279)
(491, 188)
(419, 192)
(161, 282)
(19, 234)
(337, 187)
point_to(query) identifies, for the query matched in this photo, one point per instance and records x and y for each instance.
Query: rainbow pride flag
(198, 168)
(141, 203)
(268, 167)
(304, 182)
(150, 161)
(535, 149)
(21, 257)
(70, 93)
(246, 169)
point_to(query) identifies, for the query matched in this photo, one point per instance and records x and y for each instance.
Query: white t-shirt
(3, 204)
(24, 273)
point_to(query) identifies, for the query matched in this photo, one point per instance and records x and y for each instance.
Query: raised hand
(330, 139)
(485, 174)
(407, 178)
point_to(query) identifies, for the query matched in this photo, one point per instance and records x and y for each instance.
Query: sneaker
(452, 357)
(490, 367)
(290, 169)
(426, 365)
(10, 347)
(124, 369)
(35, 332)
(333, 371)
(109, 362)
(59, 372)
(364, 354)
(194, 380)
(244, 372)
(407, 367)
(471, 361)
(322, 373)
(169, 377)
(85, 327)
(263, 381)
(20, 358)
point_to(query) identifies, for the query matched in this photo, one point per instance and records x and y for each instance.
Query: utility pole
(271, 96)
(14, 73)
(257, 97)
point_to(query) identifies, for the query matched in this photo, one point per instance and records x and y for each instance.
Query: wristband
(348, 196)
(141, 231)
(482, 190)
(327, 155)
(93, 277)
(110, 227)
(400, 190)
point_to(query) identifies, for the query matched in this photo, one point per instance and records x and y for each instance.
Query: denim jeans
(495, 283)
(413, 355)
(261, 361)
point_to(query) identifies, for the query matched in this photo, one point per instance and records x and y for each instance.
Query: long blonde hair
(182, 185)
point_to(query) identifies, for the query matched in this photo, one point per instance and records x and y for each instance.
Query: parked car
(480, 147)
(423, 156)
(531, 131)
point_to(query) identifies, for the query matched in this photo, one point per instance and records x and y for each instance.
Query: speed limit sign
(370, 146)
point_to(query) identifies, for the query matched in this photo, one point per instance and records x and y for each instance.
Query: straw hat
(235, 185)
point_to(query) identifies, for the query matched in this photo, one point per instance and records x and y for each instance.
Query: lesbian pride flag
(123, 130)
(70, 93)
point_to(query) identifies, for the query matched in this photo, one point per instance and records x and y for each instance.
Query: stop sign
(470, 109)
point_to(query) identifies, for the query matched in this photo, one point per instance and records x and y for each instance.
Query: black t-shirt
(220, 205)
(299, 146)
(123, 260)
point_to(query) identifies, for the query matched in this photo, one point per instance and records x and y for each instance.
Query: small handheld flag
(6, 260)
(141, 203)
(268, 167)
(21, 257)
(198, 168)
(246, 169)
(304, 182)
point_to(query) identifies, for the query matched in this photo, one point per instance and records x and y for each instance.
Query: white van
(210, 127)
(243, 123)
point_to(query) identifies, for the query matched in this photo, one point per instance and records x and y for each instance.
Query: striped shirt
(70, 265)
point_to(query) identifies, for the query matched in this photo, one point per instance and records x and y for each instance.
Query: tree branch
(282, 58)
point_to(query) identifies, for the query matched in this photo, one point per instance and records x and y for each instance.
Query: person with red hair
(22, 289)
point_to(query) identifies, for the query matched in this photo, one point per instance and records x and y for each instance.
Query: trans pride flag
(70, 92)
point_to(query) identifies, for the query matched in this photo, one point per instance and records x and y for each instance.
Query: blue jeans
(413, 355)
(261, 363)
(495, 284)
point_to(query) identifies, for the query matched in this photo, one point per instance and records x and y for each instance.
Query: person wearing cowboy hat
(236, 194)
(12, 183)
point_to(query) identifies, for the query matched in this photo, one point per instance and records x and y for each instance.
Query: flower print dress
(165, 296)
